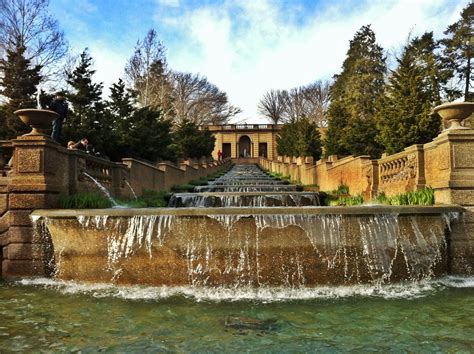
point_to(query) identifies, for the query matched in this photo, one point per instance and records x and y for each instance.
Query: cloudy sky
(246, 47)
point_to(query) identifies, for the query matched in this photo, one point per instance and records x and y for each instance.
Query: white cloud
(249, 47)
(169, 3)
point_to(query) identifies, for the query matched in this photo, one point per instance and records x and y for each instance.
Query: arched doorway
(245, 146)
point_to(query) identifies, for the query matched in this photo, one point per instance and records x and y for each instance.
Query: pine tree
(354, 96)
(414, 88)
(87, 116)
(121, 100)
(149, 136)
(189, 141)
(19, 81)
(457, 54)
(300, 138)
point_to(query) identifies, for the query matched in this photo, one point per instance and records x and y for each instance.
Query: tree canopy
(404, 117)
(354, 97)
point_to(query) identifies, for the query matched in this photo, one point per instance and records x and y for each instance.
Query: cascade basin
(244, 199)
(273, 246)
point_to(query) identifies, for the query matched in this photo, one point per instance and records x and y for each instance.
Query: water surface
(47, 315)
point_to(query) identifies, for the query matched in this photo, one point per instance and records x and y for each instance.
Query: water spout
(102, 189)
(129, 186)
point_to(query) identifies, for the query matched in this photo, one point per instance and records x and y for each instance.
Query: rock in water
(242, 322)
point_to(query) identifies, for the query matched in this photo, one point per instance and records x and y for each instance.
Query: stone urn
(40, 120)
(454, 113)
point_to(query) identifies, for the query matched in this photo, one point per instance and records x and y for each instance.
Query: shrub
(85, 200)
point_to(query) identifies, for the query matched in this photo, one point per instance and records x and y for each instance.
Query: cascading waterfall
(256, 239)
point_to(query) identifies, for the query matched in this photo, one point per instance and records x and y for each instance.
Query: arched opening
(245, 146)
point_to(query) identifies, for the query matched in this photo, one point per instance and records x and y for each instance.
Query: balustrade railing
(6, 152)
(398, 167)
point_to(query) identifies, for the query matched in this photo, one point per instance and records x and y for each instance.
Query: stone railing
(402, 172)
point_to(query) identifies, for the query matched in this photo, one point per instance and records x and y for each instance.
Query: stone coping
(248, 211)
(218, 194)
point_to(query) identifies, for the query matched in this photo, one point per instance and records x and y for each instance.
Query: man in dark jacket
(60, 106)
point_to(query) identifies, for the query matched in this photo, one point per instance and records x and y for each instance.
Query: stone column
(449, 170)
(39, 174)
(449, 167)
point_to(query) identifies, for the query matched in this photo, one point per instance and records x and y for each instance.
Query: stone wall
(446, 164)
(35, 171)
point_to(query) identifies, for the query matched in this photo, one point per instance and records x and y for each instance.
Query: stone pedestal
(449, 170)
(449, 167)
(35, 181)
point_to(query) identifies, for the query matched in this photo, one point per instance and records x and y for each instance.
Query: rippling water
(47, 315)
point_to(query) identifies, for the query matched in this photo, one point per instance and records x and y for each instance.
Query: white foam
(393, 291)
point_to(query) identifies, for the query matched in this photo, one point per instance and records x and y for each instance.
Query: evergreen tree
(189, 141)
(87, 116)
(122, 101)
(405, 115)
(149, 136)
(19, 81)
(354, 96)
(458, 52)
(300, 138)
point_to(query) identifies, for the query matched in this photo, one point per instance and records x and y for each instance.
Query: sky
(246, 47)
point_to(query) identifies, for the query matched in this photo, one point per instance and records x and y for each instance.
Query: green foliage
(18, 84)
(347, 201)
(457, 55)
(199, 182)
(149, 136)
(339, 196)
(354, 95)
(414, 88)
(85, 200)
(94, 200)
(149, 199)
(191, 142)
(182, 188)
(300, 138)
(86, 118)
(423, 196)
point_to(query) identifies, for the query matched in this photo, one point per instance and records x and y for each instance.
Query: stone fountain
(249, 245)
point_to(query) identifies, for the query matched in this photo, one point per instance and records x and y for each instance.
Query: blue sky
(245, 47)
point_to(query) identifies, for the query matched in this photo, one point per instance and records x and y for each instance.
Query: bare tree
(317, 101)
(272, 106)
(197, 100)
(28, 23)
(146, 71)
(310, 101)
(295, 104)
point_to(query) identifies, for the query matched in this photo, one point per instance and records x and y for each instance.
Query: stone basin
(274, 246)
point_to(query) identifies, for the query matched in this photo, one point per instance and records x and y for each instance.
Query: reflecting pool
(47, 315)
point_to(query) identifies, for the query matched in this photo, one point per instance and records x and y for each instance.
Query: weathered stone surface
(14, 269)
(4, 238)
(32, 201)
(3, 203)
(29, 160)
(19, 217)
(19, 234)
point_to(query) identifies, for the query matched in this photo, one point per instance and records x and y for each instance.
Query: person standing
(219, 155)
(60, 106)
